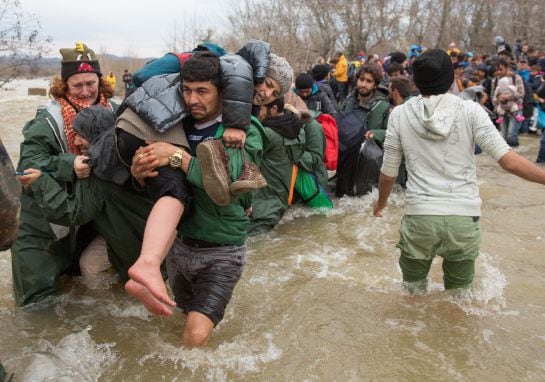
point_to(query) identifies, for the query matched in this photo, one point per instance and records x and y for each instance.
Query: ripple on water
(245, 354)
(76, 357)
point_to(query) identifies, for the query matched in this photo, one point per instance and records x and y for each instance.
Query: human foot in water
(142, 294)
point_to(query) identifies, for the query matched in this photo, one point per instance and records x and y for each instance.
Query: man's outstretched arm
(522, 167)
(385, 187)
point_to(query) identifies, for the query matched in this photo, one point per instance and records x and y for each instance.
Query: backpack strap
(292, 183)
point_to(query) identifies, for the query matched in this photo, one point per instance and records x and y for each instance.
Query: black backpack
(351, 69)
(527, 100)
(541, 91)
(352, 127)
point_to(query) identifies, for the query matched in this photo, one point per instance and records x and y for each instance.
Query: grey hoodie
(437, 137)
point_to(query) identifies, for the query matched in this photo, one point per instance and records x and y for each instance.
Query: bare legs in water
(146, 283)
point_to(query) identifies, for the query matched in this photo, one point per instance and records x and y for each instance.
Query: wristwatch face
(175, 160)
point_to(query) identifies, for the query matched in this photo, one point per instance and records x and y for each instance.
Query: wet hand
(159, 152)
(143, 166)
(377, 209)
(81, 168)
(31, 175)
(234, 138)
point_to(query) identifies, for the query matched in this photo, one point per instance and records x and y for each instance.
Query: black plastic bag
(368, 166)
(359, 169)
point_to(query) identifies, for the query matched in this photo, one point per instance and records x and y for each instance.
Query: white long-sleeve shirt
(437, 137)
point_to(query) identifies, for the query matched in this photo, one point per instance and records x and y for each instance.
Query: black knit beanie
(398, 57)
(78, 60)
(304, 81)
(320, 72)
(433, 72)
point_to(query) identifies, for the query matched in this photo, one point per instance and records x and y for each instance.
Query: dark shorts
(203, 279)
(170, 182)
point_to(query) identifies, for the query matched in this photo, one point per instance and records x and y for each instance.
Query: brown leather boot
(215, 170)
(250, 178)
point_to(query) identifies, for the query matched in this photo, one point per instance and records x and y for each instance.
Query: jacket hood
(288, 125)
(432, 118)
(381, 93)
(315, 90)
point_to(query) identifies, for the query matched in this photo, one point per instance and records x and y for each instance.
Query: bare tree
(386, 27)
(20, 41)
(187, 34)
(322, 26)
(304, 29)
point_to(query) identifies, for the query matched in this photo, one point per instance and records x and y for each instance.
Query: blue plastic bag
(540, 117)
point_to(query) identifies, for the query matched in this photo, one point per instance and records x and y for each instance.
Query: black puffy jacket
(158, 100)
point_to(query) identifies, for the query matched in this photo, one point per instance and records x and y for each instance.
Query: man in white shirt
(436, 134)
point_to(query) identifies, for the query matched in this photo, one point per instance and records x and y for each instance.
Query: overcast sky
(119, 27)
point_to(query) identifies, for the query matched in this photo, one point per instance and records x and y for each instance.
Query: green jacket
(118, 213)
(217, 224)
(378, 111)
(271, 202)
(312, 159)
(42, 251)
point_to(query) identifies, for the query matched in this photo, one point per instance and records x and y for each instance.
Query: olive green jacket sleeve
(67, 209)
(42, 148)
(377, 120)
(118, 214)
(312, 158)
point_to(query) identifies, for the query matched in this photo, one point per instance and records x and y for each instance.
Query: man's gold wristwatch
(175, 160)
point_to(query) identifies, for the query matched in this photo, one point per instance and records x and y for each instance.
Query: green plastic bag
(307, 186)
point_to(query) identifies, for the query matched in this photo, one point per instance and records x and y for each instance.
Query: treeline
(305, 29)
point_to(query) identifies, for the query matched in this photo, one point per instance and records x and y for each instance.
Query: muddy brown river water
(320, 300)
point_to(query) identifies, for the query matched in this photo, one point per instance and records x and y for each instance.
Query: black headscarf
(92, 121)
(97, 125)
(288, 125)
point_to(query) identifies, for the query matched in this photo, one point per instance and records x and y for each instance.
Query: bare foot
(143, 295)
(149, 276)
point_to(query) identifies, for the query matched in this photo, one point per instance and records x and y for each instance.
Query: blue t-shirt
(196, 135)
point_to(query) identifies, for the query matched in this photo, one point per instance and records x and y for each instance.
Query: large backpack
(528, 100)
(352, 127)
(351, 71)
(331, 133)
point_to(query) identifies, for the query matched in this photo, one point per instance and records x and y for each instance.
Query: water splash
(75, 358)
(130, 310)
(240, 357)
(487, 296)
